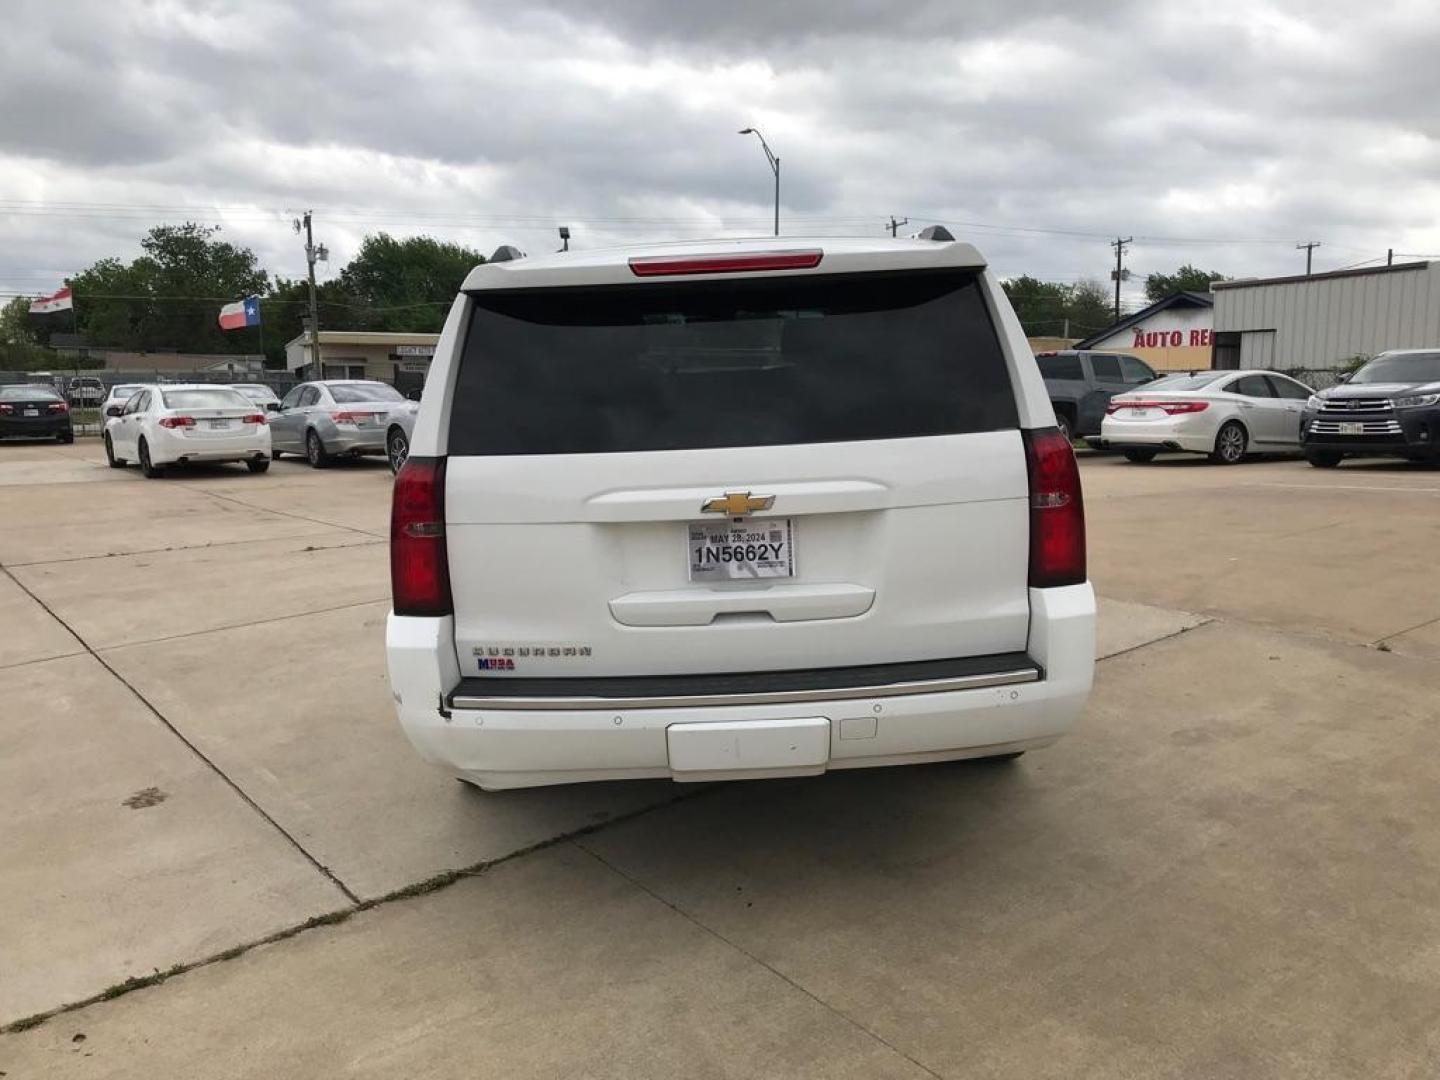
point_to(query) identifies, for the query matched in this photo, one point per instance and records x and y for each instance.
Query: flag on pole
(47, 305)
(242, 313)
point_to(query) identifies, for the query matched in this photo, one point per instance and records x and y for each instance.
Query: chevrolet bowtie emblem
(738, 504)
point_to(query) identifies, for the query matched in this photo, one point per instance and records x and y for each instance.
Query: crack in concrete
(159, 550)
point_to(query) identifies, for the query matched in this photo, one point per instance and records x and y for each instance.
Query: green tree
(1187, 279)
(406, 285)
(1040, 305)
(15, 328)
(170, 297)
(1091, 308)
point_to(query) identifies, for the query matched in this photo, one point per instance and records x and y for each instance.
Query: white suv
(735, 509)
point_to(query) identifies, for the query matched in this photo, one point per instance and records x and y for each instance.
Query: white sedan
(1224, 414)
(177, 425)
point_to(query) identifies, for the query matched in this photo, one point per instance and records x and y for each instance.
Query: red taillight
(177, 421)
(1057, 513)
(1171, 408)
(742, 263)
(253, 418)
(6, 410)
(350, 417)
(59, 406)
(419, 562)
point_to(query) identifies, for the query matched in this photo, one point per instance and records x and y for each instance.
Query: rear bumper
(356, 441)
(37, 427)
(507, 747)
(1194, 434)
(166, 449)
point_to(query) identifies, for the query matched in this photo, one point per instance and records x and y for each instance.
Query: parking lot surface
(1230, 869)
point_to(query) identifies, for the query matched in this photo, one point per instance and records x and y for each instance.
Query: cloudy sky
(1214, 132)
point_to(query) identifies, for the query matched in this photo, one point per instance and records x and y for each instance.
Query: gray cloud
(1272, 120)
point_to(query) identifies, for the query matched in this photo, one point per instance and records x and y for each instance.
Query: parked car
(1390, 406)
(176, 424)
(1081, 383)
(36, 412)
(1224, 414)
(332, 418)
(259, 393)
(398, 426)
(694, 512)
(116, 398)
(86, 390)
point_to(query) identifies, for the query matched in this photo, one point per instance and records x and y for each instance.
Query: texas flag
(240, 314)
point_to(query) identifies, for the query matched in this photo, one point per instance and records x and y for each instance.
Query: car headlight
(1315, 401)
(1415, 401)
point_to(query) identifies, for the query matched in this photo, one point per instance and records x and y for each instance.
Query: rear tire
(110, 458)
(258, 465)
(1324, 459)
(149, 468)
(274, 455)
(397, 449)
(66, 436)
(1140, 456)
(315, 450)
(1231, 442)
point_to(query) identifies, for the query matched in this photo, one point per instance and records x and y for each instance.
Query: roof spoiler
(507, 253)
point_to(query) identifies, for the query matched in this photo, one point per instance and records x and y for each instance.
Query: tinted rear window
(203, 399)
(754, 362)
(29, 393)
(1060, 367)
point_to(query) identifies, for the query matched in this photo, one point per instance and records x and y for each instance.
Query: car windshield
(1401, 368)
(259, 393)
(219, 398)
(1184, 382)
(753, 362)
(28, 393)
(348, 393)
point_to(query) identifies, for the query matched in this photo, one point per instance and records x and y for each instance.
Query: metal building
(1320, 321)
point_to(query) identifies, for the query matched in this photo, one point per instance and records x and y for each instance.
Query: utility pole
(1309, 246)
(895, 225)
(774, 167)
(312, 256)
(1119, 273)
(1389, 256)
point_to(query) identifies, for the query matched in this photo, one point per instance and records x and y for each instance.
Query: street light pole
(774, 167)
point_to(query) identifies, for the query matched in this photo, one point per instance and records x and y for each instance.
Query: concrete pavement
(1226, 871)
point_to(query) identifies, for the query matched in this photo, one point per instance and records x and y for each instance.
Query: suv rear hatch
(851, 440)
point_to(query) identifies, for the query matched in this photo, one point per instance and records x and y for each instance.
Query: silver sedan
(332, 418)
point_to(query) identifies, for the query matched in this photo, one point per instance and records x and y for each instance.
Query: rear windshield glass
(259, 393)
(348, 393)
(1185, 382)
(123, 391)
(1414, 368)
(204, 399)
(29, 393)
(754, 362)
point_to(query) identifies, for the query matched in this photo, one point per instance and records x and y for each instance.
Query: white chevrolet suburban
(735, 509)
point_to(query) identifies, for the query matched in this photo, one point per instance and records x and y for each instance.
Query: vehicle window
(349, 393)
(1251, 386)
(1133, 370)
(122, 392)
(136, 403)
(1106, 368)
(1060, 367)
(754, 362)
(16, 393)
(309, 395)
(1288, 388)
(203, 399)
(1186, 382)
(292, 398)
(1409, 368)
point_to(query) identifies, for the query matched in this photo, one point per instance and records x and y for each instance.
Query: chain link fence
(86, 388)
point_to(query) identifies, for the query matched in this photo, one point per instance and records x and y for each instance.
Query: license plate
(1140, 414)
(32, 412)
(1352, 429)
(727, 551)
(219, 424)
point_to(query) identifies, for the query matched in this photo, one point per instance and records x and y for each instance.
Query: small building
(162, 363)
(397, 358)
(1170, 335)
(1319, 322)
